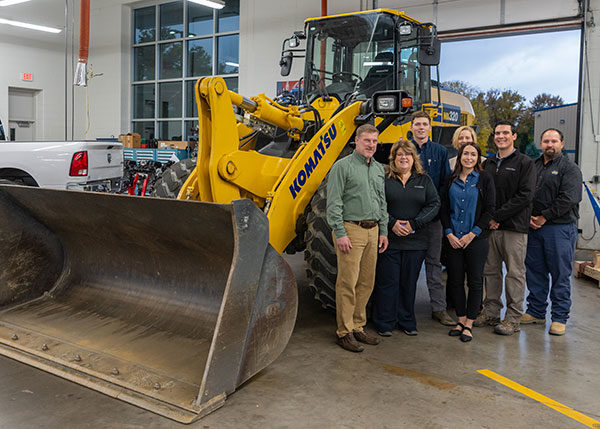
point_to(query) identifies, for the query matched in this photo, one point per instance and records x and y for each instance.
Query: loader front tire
(320, 255)
(173, 178)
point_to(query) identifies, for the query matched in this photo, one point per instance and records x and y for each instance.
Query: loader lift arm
(282, 187)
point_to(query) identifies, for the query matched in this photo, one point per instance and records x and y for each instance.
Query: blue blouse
(463, 205)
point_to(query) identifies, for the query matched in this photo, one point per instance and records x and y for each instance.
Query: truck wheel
(320, 255)
(173, 178)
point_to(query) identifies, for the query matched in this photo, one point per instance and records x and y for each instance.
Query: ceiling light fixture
(215, 4)
(11, 2)
(29, 26)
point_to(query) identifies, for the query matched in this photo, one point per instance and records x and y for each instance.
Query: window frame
(183, 79)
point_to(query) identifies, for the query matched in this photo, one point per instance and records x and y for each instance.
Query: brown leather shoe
(366, 338)
(349, 343)
(443, 317)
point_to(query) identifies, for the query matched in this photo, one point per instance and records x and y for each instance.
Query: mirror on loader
(429, 47)
(2, 134)
(287, 55)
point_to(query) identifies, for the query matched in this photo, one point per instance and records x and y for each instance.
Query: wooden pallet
(582, 268)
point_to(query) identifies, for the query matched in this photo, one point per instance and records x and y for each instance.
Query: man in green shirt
(357, 213)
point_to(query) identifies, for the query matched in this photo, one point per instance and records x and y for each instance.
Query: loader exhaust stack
(166, 304)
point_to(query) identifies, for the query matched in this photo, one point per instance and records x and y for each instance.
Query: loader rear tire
(173, 178)
(320, 255)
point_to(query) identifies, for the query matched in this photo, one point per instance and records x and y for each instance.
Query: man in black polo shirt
(514, 178)
(552, 234)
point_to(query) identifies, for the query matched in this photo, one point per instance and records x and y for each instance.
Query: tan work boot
(507, 328)
(366, 338)
(557, 328)
(349, 343)
(483, 320)
(443, 317)
(527, 319)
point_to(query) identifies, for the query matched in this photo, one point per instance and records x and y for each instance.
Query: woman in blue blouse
(468, 202)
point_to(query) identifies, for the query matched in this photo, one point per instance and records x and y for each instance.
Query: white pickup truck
(83, 165)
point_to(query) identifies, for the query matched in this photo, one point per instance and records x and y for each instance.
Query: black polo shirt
(558, 190)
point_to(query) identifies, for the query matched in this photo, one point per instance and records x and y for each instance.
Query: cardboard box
(131, 140)
(171, 144)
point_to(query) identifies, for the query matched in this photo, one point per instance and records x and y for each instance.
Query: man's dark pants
(395, 289)
(550, 251)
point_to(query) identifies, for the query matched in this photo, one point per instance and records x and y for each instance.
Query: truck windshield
(360, 54)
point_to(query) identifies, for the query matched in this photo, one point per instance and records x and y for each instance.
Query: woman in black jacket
(468, 202)
(412, 202)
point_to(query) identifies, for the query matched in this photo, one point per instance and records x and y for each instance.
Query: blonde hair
(408, 147)
(460, 130)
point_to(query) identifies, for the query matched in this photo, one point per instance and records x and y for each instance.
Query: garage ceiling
(50, 13)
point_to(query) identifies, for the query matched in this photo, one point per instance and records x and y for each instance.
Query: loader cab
(352, 56)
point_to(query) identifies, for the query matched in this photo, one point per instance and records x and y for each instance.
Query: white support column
(590, 127)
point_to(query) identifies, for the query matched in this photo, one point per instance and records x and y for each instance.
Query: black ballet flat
(456, 332)
(466, 338)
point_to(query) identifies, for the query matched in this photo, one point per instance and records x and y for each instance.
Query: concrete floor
(428, 381)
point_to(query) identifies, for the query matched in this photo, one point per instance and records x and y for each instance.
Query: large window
(173, 45)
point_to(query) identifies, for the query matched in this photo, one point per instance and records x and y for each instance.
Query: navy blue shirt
(463, 206)
(434, 158)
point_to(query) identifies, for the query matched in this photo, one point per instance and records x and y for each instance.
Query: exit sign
(27, 77)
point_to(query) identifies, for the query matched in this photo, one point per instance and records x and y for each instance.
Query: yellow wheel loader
(172, 304)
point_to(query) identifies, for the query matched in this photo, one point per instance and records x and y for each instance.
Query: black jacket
(417, 202)
(486, 202)
(558, 190)
(515, 187)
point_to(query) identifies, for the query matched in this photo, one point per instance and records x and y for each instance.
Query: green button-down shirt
(356, 191)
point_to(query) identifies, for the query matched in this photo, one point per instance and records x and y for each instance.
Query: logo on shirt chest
(313, 161)
(554, 172)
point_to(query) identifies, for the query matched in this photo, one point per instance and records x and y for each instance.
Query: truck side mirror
(429, 48)
(286, 63)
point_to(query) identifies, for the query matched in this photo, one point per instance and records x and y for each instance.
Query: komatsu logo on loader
(326, 138)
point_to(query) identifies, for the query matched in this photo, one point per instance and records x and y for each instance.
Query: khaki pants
(509, 247)
(355, 278)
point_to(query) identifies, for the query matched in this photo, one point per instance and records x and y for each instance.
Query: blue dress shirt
(463, 205)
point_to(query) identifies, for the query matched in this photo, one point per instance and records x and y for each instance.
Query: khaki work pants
(509, 247)
(355, 278)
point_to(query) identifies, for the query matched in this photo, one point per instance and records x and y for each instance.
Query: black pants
(395, 289)
(469, 261)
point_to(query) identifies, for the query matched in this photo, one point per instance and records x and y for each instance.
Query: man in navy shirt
(434, 159)
(552, 234)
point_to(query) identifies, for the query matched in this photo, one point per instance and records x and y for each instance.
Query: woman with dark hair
(412, 202)
(468, 203)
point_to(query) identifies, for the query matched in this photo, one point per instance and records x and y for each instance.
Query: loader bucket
(166, 304)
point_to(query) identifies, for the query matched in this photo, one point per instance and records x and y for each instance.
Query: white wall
(45, 60)
(590, 146)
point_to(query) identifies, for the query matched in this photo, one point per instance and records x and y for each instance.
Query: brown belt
(366, 224)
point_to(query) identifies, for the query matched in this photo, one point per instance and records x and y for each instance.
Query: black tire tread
(173, 178)
(320, 254)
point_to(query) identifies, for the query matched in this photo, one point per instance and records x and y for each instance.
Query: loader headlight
(404, 29)
(391, 103)
(387, 103)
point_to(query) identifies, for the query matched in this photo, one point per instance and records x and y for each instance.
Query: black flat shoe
(456, 332)
(466, 338)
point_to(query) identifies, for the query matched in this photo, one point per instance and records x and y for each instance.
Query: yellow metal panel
(252, 171)
(306, 172)
(390, 11)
